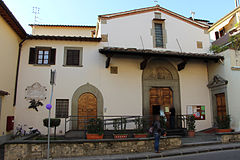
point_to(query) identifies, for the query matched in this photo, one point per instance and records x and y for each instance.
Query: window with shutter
(42, 56)
(73, 56)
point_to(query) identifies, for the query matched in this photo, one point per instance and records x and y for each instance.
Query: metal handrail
(180, 121)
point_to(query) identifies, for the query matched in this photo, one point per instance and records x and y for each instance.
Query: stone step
(75, 134)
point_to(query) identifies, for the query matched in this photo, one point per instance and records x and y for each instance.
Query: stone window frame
(80, 56)
(62, 108)
(159, 21)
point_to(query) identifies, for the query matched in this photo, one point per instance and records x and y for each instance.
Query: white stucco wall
(233, 87)
(62, 31)
(122, 92)
(126, 32)
(9, 42)
(194, 91)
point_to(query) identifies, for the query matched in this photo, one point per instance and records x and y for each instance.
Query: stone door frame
(87, 88)
(173, 84)
(216, 86)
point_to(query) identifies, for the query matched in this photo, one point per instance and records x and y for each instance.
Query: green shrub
(190, 123)
(223, 122)
(95, 126)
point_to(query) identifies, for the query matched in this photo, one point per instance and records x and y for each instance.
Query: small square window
(199, 44)
(62, 106)
(73, 56)
(114, 70)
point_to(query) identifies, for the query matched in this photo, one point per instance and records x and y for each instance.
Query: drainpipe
(18, 63)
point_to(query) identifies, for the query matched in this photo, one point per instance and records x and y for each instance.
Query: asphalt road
(217, 155)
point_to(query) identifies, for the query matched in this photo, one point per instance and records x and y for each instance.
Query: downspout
(18, 63)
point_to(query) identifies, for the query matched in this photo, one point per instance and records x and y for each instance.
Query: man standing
(156, 132)
(172, 117)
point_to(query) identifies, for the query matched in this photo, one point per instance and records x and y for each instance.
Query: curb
(201, 144)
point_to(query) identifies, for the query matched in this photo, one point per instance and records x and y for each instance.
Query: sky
(85, 12)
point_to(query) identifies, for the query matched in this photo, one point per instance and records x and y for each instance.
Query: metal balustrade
(124, 122)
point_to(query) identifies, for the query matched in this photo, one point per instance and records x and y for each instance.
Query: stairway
(201, 137)
(177, 132)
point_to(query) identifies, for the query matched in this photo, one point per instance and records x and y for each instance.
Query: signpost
(49, 106)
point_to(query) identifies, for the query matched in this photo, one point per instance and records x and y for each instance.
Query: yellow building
(11, 36)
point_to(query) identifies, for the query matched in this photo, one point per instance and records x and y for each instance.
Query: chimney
(237, 3)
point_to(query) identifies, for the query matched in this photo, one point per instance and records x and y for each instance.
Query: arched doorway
(161, 87)
(85, 94)
(87, 109)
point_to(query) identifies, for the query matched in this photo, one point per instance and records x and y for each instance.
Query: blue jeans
(156, 143)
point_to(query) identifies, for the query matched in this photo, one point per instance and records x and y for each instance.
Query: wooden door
(221, 105)
(162, 97)
(87, 109)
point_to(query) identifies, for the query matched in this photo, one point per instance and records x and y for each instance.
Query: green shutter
(32, 56)
(52, 56)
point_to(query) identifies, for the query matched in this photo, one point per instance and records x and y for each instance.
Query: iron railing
(124, 122)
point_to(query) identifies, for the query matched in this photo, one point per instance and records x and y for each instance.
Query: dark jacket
(156, 127)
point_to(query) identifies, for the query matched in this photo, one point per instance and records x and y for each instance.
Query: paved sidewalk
(167, 153)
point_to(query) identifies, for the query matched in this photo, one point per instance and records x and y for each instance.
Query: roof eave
(154, 53)
(52, 25)
(12, 21)
(63, 38)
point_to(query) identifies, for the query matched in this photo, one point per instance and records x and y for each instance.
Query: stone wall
(30, 150)
(230, 137)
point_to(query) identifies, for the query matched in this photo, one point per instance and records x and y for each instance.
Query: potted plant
(95, 129)
(191, 125)
(140, 132)
(119, 126)
(223, 124)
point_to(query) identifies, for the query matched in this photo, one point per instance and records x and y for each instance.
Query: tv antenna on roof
(35, 12)
(193, 14)
(156, 1)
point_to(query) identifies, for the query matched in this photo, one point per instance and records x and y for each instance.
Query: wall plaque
(36, 92)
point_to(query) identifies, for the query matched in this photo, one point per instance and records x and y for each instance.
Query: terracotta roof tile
(59, 25)
(63, 38)
(141, 52)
